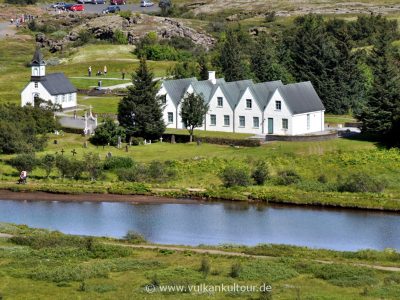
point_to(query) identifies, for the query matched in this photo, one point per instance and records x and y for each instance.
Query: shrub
(322, 178)
(119, 37)
(136, 141)
(134, 174)
(69, 167)
(260, 173)
(118, 162)
(134, 237)
(288, 177)
(360, 182)
(235, 176)
(93, 165)
(126, 14)
(205, 266)
(47, 163)
(159, 171)
(24, 162)
(236, 268)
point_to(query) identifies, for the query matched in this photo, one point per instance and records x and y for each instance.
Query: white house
(53, 87)
(243, 106)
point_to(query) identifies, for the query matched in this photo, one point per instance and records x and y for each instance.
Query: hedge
(184, 138)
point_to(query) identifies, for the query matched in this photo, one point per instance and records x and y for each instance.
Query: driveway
(98, 8)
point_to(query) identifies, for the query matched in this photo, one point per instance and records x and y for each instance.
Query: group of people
(21, 19)
(99, 73)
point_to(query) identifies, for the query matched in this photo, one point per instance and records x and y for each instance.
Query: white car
(146, 3)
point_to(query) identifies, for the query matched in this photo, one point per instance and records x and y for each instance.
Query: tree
(203, 67)
(48, 162)
(140, 112)
(93, 165)
(381, 113)
(193, 110)
(231, 61)
(184, 69)
(107, 133)
(265, 64)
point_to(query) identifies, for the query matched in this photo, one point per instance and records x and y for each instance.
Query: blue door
(270, 126)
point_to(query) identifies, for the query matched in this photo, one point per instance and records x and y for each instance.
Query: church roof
(37, 58)
(57, 83)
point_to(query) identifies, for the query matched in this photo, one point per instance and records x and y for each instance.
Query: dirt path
(7, 29)
(239, 254)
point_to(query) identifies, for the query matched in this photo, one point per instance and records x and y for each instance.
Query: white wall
(316, 123)
(214, 109)
(242, 110)
(169, 107)
(277, 115)
(28, 95)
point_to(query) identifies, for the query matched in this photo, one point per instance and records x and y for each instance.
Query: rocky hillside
(103, 27)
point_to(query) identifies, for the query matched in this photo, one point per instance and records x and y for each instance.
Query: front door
(270, 126)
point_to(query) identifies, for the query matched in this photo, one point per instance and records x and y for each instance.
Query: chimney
(211, 77)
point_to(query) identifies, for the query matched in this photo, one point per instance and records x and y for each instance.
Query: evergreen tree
(231, 61)
(203, 67)
(184, 69)
(192, 112)
(140, 112)
(265, 65)
(381, 114)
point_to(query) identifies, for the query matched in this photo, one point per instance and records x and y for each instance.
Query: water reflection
(212, 223)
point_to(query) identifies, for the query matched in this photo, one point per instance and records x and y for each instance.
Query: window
(242, 121)
(256, 122)
(308, 121)
(170, 117)
(226, 120)
(278, 105)
(248, 103)
(285, 124)
(36, 85)
(213, 120)
(70, 97)
(220, 102)
(163, 99)
(63, 98)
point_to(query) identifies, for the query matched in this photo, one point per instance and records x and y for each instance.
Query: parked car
(111, 9)
(84, 1)
(58, 5)
(146, 3)
(117, 2)
(98, 1)
(67, 6)
(76, 7)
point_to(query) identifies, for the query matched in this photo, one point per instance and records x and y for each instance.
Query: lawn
(45, 265)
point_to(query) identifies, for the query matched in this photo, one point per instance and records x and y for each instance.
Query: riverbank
(142, 193)
(48, 265)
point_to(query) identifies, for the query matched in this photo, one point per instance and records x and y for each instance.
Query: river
(213, 223)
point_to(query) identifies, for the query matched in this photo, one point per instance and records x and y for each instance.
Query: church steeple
(38, 65)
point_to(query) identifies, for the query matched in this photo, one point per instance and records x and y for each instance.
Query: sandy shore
(43, 196)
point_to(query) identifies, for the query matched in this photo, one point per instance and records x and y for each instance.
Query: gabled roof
(264, 91)
(176, 88)
(37, 58)
(57, 83)
(301, 97)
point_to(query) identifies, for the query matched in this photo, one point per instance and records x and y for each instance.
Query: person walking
(90, 71)
(105, 70)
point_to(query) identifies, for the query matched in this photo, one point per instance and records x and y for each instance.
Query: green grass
(101, 105)
(70, 269)
(202, 133)
(339, 119)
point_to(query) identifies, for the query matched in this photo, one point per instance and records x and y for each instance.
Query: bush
(118, 162)
(288, 177)
(235, 176)
(134, 237)
(361, 183)
(205, 266)
(260, 173)
(119, 37)
(24, 162)
(107, 134)
(159, 171)
(69, 167)
(93, 165)
(47, 163)
(236, 268)
(136, 141)
(126, 14)
(134, 174)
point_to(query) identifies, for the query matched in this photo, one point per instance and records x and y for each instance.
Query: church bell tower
(38, 66)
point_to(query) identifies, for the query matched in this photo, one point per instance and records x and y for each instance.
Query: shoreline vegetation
(56, 265)
(140, 193)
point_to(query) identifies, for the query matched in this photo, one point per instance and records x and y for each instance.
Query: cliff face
(134, 27)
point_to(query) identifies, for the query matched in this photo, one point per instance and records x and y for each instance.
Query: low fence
(303, 138)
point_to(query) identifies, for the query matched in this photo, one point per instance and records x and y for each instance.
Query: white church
(267, 108)
(54, 87)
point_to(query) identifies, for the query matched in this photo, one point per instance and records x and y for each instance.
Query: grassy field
(37, 264)
(16, 53)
